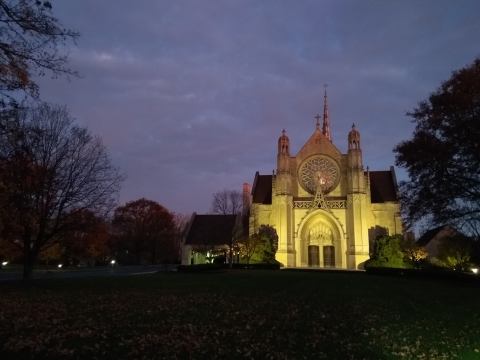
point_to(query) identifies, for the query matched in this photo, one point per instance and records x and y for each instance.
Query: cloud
(190, 96)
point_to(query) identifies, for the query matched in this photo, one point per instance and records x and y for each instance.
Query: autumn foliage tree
(50, 169)
(443, 156)
(414, 254)
(89, 242)
(145, 230)
(31, 39)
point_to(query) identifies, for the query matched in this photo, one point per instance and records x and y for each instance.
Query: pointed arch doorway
(321, 242)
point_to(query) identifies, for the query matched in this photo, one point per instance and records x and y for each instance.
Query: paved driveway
(16, 273)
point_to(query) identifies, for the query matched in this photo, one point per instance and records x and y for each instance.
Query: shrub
(455, 252)
(388, 252)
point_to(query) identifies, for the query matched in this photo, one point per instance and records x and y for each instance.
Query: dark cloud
(190, 96)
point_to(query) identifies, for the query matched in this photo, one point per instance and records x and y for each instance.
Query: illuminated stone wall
(346, 220)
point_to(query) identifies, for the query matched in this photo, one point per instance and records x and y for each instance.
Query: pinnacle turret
(284, 144)
(353, 138)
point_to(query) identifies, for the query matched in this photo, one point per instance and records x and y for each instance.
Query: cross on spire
(318, 117)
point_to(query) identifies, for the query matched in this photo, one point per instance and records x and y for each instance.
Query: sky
(190, 96)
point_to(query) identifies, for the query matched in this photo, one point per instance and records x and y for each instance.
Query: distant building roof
(262, 189)
(438, 232)
(383, 186)
(211, 230)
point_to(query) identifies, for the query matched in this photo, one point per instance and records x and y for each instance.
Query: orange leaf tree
(145, 230)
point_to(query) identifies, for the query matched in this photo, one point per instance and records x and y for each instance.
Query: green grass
(241, 314)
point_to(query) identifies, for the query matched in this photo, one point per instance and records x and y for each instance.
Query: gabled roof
(211, 230)
(442, 231)
(318, 143)
(262, 189)
(383, 186)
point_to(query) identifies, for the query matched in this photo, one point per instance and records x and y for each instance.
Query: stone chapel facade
(326, 208)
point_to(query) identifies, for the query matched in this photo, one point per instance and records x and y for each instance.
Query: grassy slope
(259, 314)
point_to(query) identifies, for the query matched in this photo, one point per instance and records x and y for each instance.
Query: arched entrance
(322, 243)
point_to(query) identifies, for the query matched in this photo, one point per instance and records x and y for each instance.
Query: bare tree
(236, 201)
(30, 39)
(227, 202)
(49, 170)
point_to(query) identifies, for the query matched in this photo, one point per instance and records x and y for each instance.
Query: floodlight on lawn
(60, 266)
(475, 270)
(112, 262)
(4, 263)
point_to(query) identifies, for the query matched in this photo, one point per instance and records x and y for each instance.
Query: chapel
(326, 207)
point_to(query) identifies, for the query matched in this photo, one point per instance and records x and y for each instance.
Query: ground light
(59, 266)
(112, 262)
(475, 270)
(4, 263)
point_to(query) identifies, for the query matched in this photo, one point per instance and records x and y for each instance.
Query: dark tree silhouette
(443, 157)
(227, 202)
(49, 170)
(89, 240)
(30, 42)
(145, 229)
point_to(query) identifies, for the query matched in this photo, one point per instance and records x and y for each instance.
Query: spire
(326, 122)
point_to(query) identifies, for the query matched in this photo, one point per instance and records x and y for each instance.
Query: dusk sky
(191, 96)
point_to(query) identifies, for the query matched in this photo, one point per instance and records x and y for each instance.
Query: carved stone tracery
(331, 204)
(319, 171)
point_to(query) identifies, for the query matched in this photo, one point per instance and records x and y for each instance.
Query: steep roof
(383, 186)
(318, 143)
(441, 231)
(262, 189)
(211, 230)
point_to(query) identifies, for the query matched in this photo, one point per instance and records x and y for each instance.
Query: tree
(30, 39)
(455, 252)
(49, 170)
(52, 253)
(269, 237)
(248, 246)
(413, 252)
(388, 252)
(9, 251)
(89, 243)
(180, 221)
(145, 229)
(267, 245)
(227, 202)
(443, 157)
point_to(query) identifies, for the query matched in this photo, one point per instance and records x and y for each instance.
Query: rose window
(318, 171)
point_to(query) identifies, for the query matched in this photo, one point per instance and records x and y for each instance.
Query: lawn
(241, 314)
